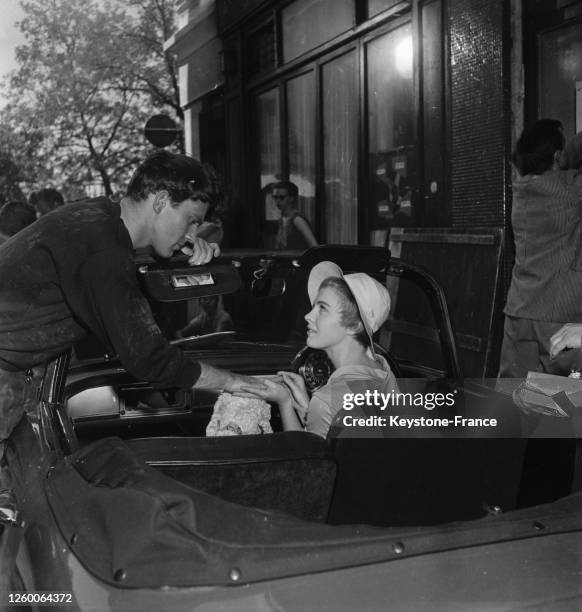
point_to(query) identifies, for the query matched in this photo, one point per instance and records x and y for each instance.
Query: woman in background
(294, 231)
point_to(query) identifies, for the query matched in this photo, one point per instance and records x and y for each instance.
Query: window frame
(359, 37)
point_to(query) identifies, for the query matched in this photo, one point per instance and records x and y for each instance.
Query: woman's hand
(298, 390)
(291, 397)
(568, 336)
(271, 392)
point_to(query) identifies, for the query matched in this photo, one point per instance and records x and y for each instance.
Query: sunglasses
(279, 197)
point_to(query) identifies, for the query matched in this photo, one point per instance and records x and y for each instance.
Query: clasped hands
(285, 388)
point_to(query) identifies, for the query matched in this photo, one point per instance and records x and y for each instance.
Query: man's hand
(568, 336)
(224, 380)
(200, 252)
(246, 385)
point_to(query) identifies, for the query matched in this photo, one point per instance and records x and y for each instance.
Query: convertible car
(120, 501)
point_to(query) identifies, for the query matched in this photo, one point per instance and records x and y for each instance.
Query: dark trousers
(18, 396)
(549, 463)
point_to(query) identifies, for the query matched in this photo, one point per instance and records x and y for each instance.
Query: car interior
(376, 481)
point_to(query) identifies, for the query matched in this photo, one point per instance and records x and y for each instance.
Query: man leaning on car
(72, 273)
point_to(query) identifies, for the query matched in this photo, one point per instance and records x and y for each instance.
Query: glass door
(301, 141)
(268, 126)
(560, 79)
(340, 147)
(391, 129)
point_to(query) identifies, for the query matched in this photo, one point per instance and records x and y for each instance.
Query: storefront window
(377, 6)
(391, 129)
(309, 23)
(560, 87)
(340, 147)
(269, 141)
(301, 140)
(261, 55)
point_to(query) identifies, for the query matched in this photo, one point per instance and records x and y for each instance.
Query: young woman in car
(347, 310)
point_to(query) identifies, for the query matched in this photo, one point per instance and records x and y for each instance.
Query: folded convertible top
(132, 526)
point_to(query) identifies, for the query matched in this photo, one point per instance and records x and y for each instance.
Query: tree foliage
(89, 75)
(158, 75)
(10, 179)
(19, 162)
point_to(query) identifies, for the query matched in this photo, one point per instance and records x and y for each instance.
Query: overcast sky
(10, 35)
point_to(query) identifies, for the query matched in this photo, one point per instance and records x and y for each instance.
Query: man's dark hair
(15, 216)
(291, 188)
(45, 200)
(537, 145)
(183, 177)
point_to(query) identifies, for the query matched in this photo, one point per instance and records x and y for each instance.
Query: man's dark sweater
(71, 273)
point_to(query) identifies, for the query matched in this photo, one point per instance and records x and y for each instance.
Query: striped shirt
(546, 283)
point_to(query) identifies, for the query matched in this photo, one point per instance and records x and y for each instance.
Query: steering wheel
(316, 367)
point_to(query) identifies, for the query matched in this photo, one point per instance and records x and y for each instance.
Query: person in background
(45, 200)
(212, 318)
(347, 311)
(212, 229)
(571, 158)
(569, 335)
(207, 314)
(294, 231)
(15, 216)
(546, 284)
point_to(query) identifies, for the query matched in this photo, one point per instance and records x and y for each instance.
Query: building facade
(385, 113)
(396, 120)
